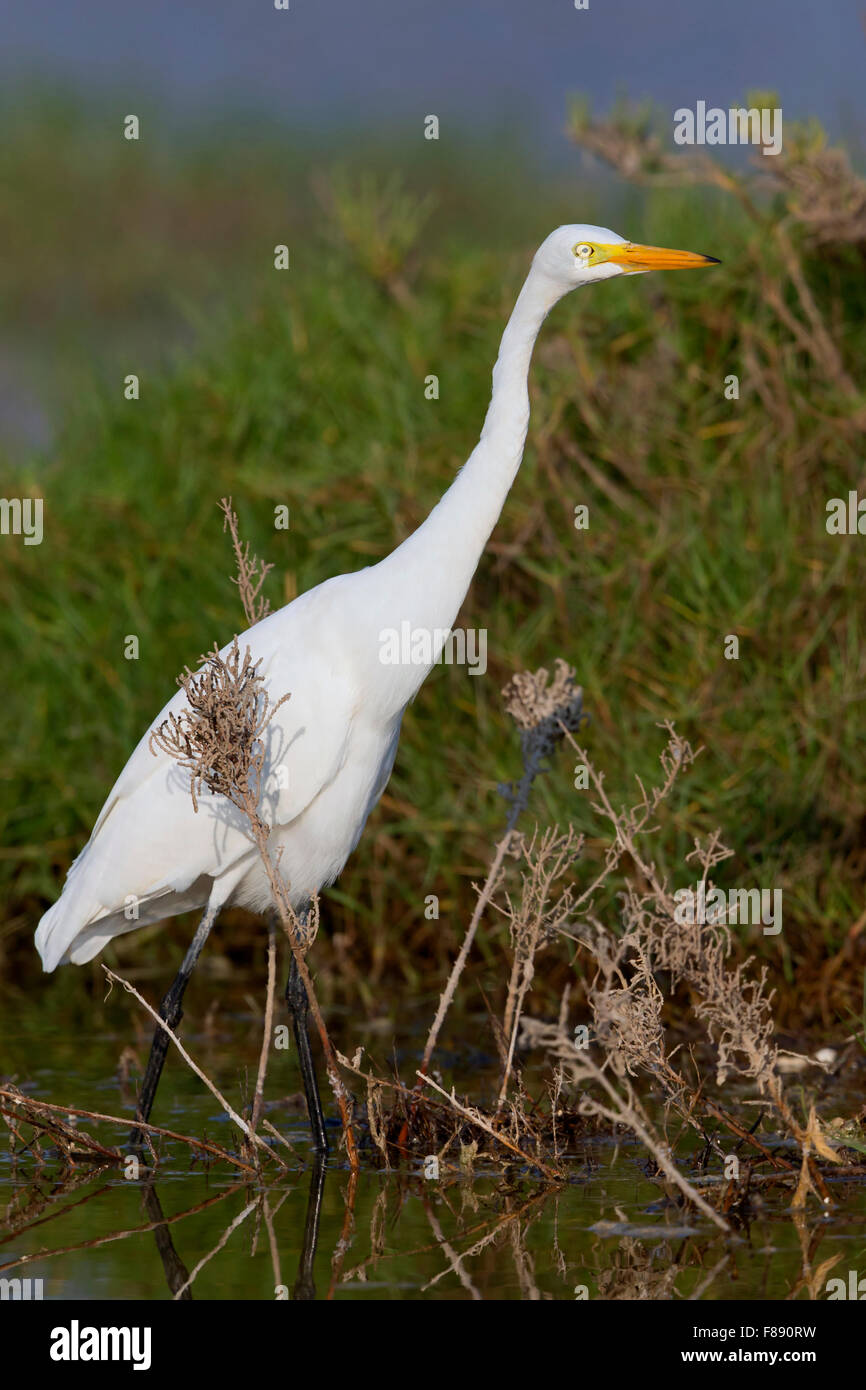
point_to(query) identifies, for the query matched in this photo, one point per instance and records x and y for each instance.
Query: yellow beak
(633, 257)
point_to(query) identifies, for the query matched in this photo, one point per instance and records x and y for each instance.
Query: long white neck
(424, 581)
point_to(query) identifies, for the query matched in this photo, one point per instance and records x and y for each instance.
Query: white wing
(150, 855)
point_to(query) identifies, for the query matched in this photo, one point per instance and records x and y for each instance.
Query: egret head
(580, 253)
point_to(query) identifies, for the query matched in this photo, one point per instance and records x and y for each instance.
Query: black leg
(172, 1011)
(176, 1272)
(305, 1287)
(296, 998)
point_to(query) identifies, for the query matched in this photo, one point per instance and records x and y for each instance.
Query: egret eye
(583, 251)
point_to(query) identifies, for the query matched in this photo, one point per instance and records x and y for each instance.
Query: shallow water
(610, 1233)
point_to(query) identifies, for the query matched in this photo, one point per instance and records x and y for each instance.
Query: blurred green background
(306, 387)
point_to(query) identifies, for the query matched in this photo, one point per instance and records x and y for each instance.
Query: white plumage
(331, 747)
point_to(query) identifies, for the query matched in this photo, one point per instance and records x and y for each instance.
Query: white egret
(333, 743)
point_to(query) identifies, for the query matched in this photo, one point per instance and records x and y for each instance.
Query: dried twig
(252, 572)
(32, 1108)
(481, 1122)
(267, 1030)
(236, 1119)
(541, 713)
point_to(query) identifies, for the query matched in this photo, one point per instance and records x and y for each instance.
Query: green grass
(307, 388)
